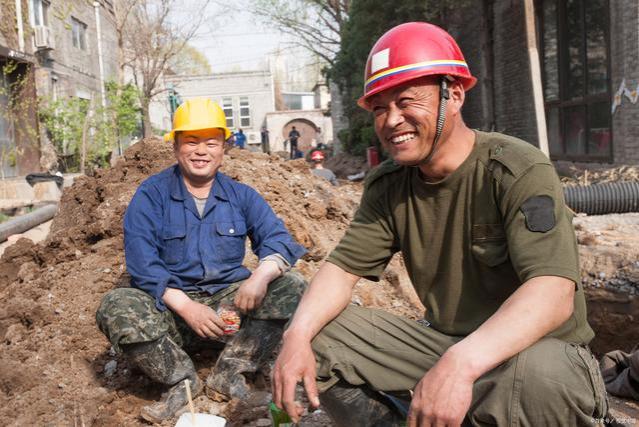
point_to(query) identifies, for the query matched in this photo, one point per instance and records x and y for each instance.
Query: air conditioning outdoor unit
(43, 37)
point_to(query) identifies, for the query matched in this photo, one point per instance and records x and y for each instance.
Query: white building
(249, 102)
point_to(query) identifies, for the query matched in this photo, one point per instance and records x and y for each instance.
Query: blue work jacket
(167, 243)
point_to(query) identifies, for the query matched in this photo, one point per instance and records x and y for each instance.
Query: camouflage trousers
(129, 315)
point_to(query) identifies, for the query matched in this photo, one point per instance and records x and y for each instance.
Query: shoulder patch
(384, 168)
(540, 213)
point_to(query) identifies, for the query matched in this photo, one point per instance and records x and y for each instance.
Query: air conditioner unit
(43, 37)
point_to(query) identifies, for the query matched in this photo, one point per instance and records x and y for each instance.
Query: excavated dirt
(56, 368)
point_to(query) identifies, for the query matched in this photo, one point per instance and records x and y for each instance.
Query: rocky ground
(57, 369)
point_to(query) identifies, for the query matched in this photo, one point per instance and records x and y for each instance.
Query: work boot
(243, 356)
(351, 406)
(165, 362)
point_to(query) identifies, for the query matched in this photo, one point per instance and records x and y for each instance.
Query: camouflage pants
(129, 316)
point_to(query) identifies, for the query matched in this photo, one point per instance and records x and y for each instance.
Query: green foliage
(68, 119)
(189, 62)
(368, 20)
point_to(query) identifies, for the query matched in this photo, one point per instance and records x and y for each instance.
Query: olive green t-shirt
(470, 240)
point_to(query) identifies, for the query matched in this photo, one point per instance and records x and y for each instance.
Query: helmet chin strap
(444, 95)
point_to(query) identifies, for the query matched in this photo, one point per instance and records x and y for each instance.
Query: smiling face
(405, 120)
(199, 154)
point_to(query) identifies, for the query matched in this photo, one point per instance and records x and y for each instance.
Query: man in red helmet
(488, 244)
(317, 158)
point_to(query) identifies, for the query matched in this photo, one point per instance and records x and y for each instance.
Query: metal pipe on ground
(26, 222)
(606, 198)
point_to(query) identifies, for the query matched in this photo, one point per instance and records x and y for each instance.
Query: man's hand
(443, 396)
(250, 294)
(203, 320)
(296, 363)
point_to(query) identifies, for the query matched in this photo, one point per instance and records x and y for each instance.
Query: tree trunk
(146, 117)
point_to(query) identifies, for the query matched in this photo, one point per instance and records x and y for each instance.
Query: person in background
(317, 159)
(293, 137)
(264, 137)
(240, 139)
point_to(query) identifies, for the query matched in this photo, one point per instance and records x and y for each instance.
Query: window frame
(230, 118)
(81, 34)
(245, 117)
(586, 100)
(41, 14)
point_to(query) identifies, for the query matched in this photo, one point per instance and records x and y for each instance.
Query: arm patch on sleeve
(540, 213)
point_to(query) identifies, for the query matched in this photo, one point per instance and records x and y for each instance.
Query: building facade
(589, 59)
(249, 102)
(49, 50)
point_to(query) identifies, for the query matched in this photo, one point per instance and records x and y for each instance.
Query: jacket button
(232, 230)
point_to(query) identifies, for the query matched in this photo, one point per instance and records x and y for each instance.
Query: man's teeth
(402, 138)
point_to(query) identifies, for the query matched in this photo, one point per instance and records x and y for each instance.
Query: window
(227, 106)
(245, 112)
(79, 34)
(39, 12)
(575, 59)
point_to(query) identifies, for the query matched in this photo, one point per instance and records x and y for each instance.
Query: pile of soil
(345, 164)
(56, 368)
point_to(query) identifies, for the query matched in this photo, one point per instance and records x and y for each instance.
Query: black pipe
(600, 199)
(26, 222)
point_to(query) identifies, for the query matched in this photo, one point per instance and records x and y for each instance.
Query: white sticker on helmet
(380, 60)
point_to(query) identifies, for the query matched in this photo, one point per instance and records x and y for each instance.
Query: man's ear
(457, 96)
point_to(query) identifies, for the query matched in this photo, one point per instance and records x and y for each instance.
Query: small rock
(106, 270)
(78, 253)
(110, 367)
(58, 311)
(61, 385)
(112, 352)
(263, 422)
(602, 275)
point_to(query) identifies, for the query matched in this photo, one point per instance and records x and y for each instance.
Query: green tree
(368, 20)
(189, 62)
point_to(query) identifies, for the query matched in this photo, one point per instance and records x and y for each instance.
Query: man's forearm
(176, 300)
(538, 307)
(328, 294)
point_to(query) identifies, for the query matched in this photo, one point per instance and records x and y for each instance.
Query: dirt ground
(56, 368)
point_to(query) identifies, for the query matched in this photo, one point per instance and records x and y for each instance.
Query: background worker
(489, 246)
(185, 232)
(265, 140)
(317, 158)
(240, 139)
(293, 137)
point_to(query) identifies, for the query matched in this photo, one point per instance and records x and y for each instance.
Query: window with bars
(79, 34)
(575, 46)
(245, 112)
(227, 106)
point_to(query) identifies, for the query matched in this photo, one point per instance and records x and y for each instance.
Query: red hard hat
(317, 155)
(409, 51)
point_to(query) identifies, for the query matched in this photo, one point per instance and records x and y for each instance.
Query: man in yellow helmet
(185, 232)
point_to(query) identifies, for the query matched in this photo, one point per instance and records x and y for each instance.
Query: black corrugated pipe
(600, 199)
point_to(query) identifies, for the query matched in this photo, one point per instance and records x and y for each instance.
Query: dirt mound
(56, 368)
(344, 164)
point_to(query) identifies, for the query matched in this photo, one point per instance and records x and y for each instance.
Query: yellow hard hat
(198, 114)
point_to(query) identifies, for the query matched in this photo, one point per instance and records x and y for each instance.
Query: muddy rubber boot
(350, 406)
(243, 356)
(165, 362)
